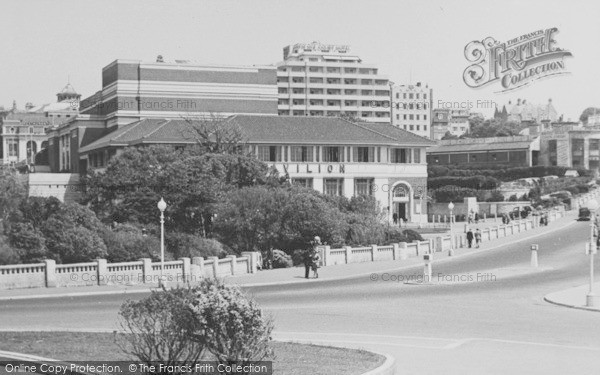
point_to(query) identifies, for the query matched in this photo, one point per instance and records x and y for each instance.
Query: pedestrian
(476, 217)
(395, 218)
(470, 237)
(311, 257)
(477, 237)
(316, 258)
(470, 218)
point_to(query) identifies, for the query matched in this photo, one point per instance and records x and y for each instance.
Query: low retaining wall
(144, 271)
(404, 250)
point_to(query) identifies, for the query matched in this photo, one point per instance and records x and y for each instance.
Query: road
(497, 325)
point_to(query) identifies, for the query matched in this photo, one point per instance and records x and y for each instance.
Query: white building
(459, 122)
(327, 80)
(24, 131)
(331, 155)
(411, 108)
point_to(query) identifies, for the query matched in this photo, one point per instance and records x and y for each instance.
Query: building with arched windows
(23, 132)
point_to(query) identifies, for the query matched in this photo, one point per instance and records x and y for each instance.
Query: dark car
(584, 214)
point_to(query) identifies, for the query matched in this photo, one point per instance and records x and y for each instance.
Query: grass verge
(290, 358)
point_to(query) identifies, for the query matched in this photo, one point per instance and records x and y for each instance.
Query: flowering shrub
(231, 324)
(183, 324)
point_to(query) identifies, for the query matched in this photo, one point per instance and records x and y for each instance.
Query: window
(334, 186)
(412, 117)
(404, 127)
(404, 117)
(417, 155)
(363, 186)
(13, 147)
(424, 117)
(424, 96)
(400, 155)
(412, 128)
(303, 182)
(404, 96)
(364, 154)
(301, 153)
(418, 128)
(269, 153)
(417, 96)
(410, 96)
(332, 154)
(440, 117)
(397, 117)
(425, 127)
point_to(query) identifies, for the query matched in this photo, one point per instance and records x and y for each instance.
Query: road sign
(534, 247)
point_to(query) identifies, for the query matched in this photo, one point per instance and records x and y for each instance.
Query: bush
(8, 255)
(189, 245)
(472, 182)
(412, 235)
(232, 325)
(452, 193)
(281, 259)
(29, 243)
(496, 196)
(513, 198)
(126, 246)
(298, 257)
(157, 328)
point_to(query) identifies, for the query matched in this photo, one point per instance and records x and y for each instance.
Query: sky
(46, 43)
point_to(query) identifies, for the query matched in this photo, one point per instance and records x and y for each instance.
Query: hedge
(500, 172)
(474, 182)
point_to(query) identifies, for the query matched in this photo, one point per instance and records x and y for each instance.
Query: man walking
(470, 237)
(477, 237)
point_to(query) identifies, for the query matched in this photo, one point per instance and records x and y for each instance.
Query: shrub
(496, 196)
(281, 259)
(8, 255)
(28, 242)
(513, 198)
(157, 328)
(232, 325)
(298, 257)
(472, 182)
(125, 246)
(412, 235)
(189, 245)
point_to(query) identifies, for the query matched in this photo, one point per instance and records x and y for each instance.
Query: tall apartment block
(327, 80)
(411, 108)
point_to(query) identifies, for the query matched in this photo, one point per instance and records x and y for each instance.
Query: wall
(99, 272)
(64, 186)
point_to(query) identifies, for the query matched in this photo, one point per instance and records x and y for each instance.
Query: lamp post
(592, 206)
(451, 251)
(162, 206)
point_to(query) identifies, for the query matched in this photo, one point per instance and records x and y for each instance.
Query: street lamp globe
(450, 206)
(162, 205)
(593, 205)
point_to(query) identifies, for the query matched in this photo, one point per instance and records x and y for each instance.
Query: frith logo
(515, 63)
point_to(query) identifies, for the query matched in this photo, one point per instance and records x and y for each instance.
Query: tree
(587, 112)
(215, 134)
(12, 191)
(29, 243)
(192, 183)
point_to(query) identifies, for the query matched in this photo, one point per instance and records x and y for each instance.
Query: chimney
(418, 84)
(159, 59)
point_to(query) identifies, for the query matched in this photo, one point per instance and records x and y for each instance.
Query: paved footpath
(575, 297)
(295, 274)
